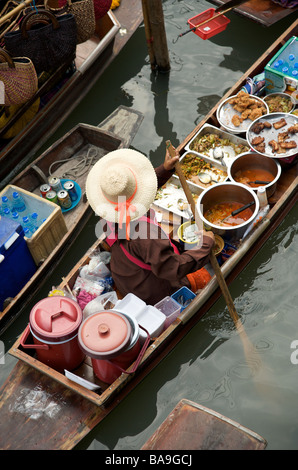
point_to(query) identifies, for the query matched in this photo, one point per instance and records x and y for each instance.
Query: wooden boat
(74, 147)
(81, 409)
(191, 426)
(264, 12)
(64, 90)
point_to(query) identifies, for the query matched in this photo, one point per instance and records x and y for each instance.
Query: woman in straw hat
(144, 261)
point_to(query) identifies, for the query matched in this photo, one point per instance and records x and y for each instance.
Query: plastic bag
(93, 288)
(102, 302)
(97, 267)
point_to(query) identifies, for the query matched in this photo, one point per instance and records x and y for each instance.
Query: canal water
(209, 365)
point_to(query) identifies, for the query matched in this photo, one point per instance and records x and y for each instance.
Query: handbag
(19, 77)
(83, 12)
(46, 39)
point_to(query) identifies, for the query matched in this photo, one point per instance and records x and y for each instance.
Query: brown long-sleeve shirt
(168, 269)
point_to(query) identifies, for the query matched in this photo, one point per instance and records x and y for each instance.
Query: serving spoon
(259, 182)
(237, 211)
(205, 178)
(219, 155)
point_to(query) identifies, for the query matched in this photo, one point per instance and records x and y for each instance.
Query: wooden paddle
(216, 268)
(219, 11)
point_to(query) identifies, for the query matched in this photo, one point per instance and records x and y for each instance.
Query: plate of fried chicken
(274, 135)
(237, 112)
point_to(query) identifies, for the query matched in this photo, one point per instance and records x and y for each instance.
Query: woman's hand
(209, 233)
(170, 162)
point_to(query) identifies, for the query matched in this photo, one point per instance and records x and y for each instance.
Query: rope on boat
(81, 167)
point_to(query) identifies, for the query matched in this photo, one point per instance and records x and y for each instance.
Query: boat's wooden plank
(261, 11)
(191, 426)
(44, 414)
(124, 122)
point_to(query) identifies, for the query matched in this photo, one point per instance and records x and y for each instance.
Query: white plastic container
(147, 316)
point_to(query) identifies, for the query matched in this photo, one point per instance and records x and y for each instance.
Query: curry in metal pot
(220, 211)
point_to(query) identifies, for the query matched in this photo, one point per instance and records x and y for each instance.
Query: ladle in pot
(259, 182)
(237, 211)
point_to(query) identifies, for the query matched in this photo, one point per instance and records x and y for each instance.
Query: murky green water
(209, 366)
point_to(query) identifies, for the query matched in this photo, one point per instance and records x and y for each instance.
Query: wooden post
(156, 35)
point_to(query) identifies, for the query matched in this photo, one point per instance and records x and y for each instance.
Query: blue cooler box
(16, 263)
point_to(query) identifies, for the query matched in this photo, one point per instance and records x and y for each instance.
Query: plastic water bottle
(5, 203)
(34, 220)
(6, 212)
(15, 216)
(18, 202)
(27, 224)
(27, 232)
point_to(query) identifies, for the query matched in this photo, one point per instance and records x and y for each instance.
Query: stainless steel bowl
(271, 134)
(227, 192)
(281, 95)
(254, 160)
(225, 113)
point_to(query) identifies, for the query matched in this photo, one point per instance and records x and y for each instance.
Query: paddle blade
(229, 5)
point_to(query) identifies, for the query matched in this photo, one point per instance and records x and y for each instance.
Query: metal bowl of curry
(253, 170)
(218, 202)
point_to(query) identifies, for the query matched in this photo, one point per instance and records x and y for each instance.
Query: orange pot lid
(105, 334)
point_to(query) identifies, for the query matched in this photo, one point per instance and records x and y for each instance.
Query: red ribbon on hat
(125, 207)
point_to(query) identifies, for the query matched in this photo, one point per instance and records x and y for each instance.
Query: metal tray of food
(171, 197)
(274, 135)
(210, 141)
(236, 113)
(192, 164)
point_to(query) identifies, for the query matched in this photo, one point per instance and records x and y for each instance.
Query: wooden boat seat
(191, 426)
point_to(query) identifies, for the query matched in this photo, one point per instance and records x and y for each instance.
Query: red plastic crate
(211, 28)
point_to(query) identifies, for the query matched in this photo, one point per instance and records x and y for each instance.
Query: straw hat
(121, 186)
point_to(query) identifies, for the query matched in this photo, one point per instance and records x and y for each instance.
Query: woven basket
(19, 77)
(83, 12)
(47, 45)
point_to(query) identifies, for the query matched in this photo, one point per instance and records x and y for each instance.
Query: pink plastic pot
(111, 340)
(54, 323)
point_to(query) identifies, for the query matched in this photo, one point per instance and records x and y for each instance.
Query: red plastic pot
(111, 340)
(54, 323)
